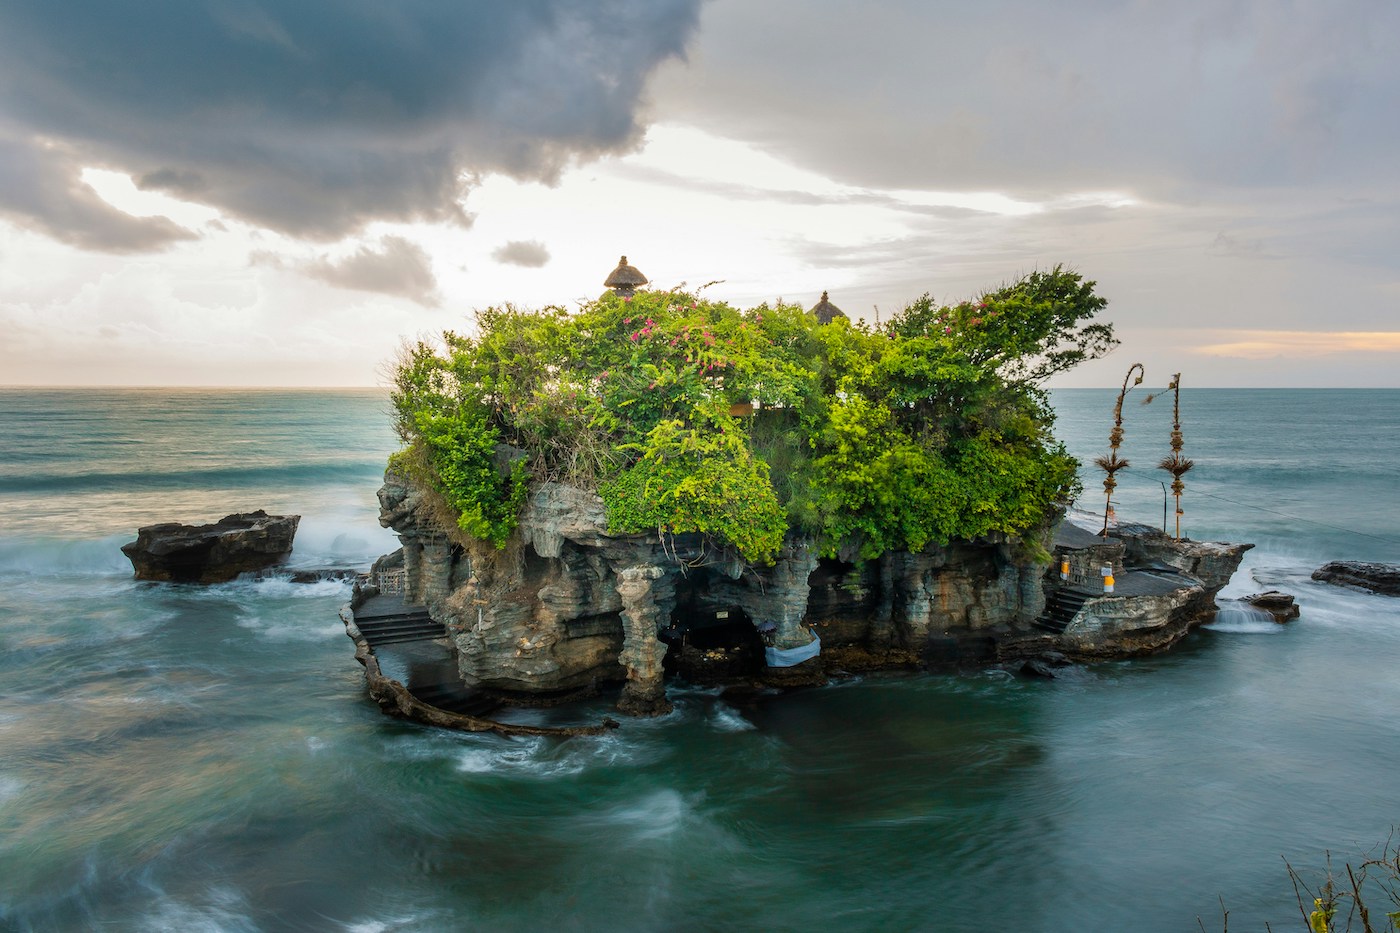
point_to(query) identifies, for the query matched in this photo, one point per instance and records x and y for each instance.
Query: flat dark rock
(1377, 578)
(1279, 605)
(211, 553)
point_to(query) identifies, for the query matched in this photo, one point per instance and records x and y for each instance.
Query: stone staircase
(386, 620)
(1062, 604)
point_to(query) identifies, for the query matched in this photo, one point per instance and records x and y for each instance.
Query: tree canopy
(688, 415)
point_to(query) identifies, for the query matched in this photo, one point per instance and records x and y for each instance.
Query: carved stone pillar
(648, 596)
(412, 571)
(436, 571)
(789, 578)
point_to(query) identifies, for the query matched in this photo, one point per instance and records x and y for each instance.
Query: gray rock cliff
(565, 606)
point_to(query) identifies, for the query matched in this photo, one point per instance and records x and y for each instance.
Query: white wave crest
(725, 718)
(226, 911)
(420, 921)
(658, 815)
(1242, 618)
(45, 556)
(281, 629)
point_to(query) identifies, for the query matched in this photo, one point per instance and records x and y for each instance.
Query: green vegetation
(930, 428)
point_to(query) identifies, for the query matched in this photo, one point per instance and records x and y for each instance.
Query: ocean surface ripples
(182, 758)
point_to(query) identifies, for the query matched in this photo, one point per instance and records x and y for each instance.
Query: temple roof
(825, 311)
(625, 276)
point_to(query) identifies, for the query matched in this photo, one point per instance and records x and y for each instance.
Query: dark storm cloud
(528, 253)
(316, 116)
(41, 188)
(399, 267)
(1034, 98)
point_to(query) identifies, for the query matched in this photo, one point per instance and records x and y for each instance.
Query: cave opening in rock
(711, 638)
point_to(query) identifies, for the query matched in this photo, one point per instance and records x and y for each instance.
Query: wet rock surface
(1279, 605)
(1375, 578)
(213, 553)
(567, 606)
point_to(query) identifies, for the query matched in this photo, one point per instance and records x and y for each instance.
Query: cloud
(40, 188)
(399, 267)
(1029, 98)
(315, 117)
(1272, 344)
(529, 253)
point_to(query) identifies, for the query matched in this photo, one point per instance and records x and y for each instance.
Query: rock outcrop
(1375, 578)
(214, 553)
(1278, 605)
(565, 606)
(1163, 588)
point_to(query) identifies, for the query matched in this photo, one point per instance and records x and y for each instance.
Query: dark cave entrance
(711, 638)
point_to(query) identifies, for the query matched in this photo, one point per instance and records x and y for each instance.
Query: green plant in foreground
(1372, 879)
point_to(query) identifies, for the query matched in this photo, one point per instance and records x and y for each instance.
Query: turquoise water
(182, 758)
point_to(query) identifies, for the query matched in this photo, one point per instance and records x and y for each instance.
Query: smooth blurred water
(185, 758)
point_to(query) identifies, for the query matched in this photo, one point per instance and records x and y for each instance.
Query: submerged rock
(211, 553)
(1279, 605)
(1375, 578)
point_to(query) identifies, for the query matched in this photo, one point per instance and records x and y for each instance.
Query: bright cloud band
(1265, 344)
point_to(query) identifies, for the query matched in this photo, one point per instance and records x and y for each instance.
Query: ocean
(206, 758)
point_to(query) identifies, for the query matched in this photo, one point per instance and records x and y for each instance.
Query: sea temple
(659, 486)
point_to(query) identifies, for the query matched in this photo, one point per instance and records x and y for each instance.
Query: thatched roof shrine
(625, 279)
(825, 311)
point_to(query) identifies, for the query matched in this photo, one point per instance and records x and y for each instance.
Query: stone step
(361, 618)
(398, 638)
(1061, 606)
(374, 625)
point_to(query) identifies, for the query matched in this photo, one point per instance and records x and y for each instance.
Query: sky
(247, 192)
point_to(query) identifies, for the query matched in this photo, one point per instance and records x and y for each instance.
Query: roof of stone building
(825, 311)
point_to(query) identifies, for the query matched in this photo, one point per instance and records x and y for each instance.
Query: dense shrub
(930, 428)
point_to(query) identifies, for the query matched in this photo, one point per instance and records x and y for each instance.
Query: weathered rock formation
(1278, 605)
(1163, 588)
(1375, 578)
(566, 606)
(211, 553)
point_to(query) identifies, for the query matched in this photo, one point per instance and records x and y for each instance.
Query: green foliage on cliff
(930, 428)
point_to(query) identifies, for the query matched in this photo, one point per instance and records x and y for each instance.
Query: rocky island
(212, 553)
(660, 485)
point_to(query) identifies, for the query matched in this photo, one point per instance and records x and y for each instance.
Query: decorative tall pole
(1112, 463)
(1177, 465)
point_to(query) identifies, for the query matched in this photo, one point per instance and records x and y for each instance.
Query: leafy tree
(932, 428)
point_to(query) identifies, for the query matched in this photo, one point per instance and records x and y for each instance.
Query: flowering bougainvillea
(690, 416)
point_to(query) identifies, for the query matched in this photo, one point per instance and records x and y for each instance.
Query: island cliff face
(565, 606)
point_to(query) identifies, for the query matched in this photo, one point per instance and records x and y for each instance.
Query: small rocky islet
(659, 486)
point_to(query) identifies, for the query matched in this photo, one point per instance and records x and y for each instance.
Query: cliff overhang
(565, 606)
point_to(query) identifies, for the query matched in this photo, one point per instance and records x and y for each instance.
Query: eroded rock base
(567, 606)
